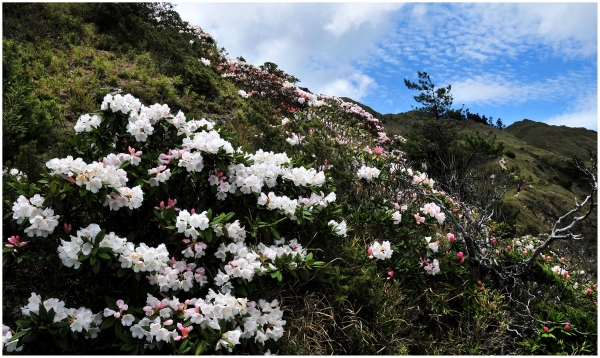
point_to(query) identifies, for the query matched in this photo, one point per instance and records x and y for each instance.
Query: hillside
(562, 140)
(160, 197)
(540, 156)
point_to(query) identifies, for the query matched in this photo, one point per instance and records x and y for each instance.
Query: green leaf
(96, 266)
(275, 233)
(18, 335)
(62, 343)
(92, 260)
(23, 324)
(122, 272)
(109, 322)
(29, 336)
(304, 274)
(128, 346)
(100, 236)
(83, 192)
(104, 256)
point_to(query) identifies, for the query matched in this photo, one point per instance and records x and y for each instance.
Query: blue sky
(506, 60)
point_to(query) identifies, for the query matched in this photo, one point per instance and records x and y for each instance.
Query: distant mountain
(540, 156)
(561, 140)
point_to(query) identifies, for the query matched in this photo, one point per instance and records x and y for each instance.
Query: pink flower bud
(370, 251)
(462, 260)
(588, 291)
(493, 241)
(117, 314)
(483, 288)
(193, 211)
(390, 274)
(479, 282)
(508, 247)
(546, 329)
(451, 237)
(120, 303)
(459, 254)
(567, 327)
(562, 259)
(475, 292)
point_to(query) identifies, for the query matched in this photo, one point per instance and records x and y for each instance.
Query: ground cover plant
(216, 207)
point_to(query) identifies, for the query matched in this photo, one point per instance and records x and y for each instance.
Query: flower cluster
(204, 61)
(117, 159)
(86, 123)
(6, 336)
(125, 104)
(368, 173)
(129, 197)
(126, 319)
(93, 176)
(338, 228)
(431, 267)
(433, 210)
(16, 173)
(245, 262)
(380, 251)
(179, 275)
(295, 139)
(397, 217)
(262, 321)
(42, 220)
(81, 244)
(187, 223)
(80, 319)
(14, 242)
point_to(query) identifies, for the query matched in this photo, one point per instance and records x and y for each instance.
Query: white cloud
(505, 88)
(355, 86)
(489, 52)
(352, 15)
(319, 43)
(583, 114)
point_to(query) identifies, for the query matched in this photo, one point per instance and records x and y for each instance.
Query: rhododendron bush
(224, 228)
(287, 222)
(199, 230)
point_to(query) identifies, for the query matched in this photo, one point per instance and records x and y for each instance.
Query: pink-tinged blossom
(397, 217)
(419, 219)
(450, 237)
(432, 267)
(381, 251)
(567, 327)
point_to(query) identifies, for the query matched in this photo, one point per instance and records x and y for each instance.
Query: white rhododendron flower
(86, 123)
(380, 251)
(368, 173)
(42, 220)
(338, 228)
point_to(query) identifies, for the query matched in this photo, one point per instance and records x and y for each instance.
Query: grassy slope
(564, 141)
(546, 172)
(76, 76)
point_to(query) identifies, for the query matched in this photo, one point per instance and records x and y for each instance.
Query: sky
(509, 60)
